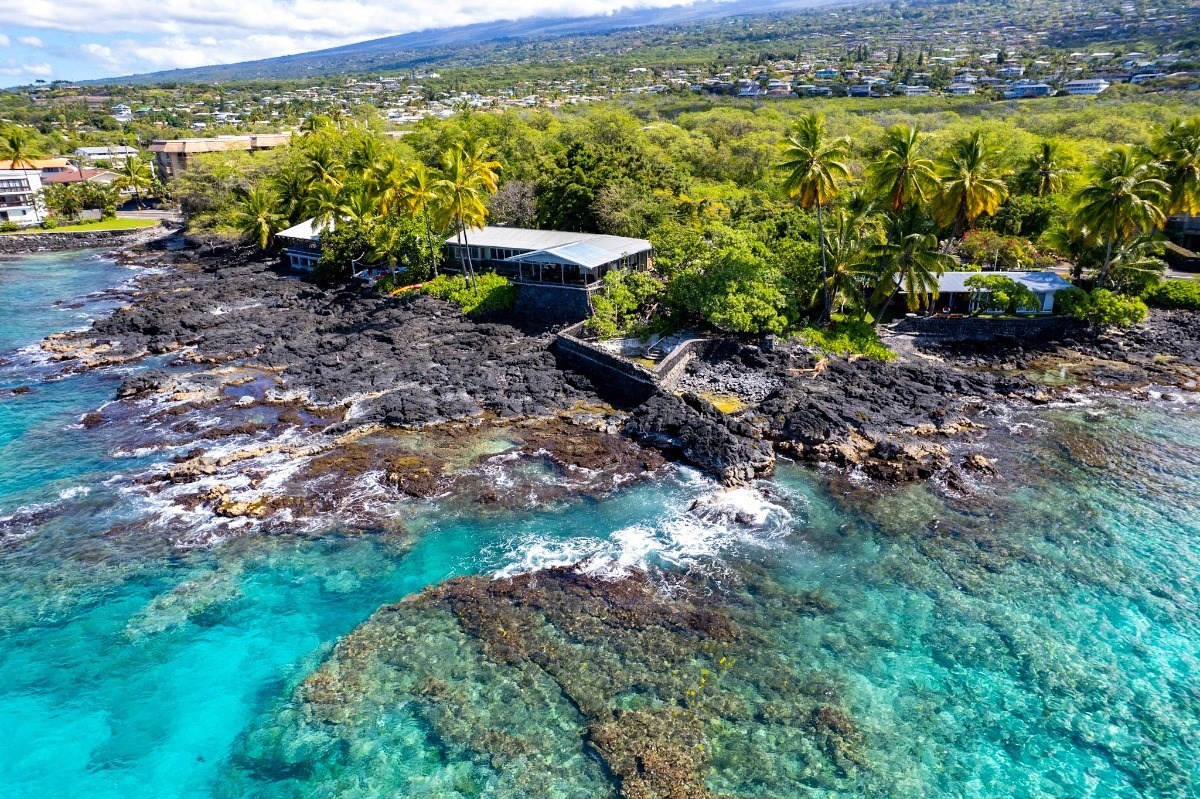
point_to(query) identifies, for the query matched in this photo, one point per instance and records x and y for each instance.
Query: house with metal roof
(552, 258)
(954, 297)
(301, 243)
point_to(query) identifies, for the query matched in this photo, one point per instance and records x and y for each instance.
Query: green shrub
(1101, 308)
(9, 227)
(490, 294)
(848, 338)
(1002, 293)
(49, 223)
(624, 302)
(1175, 294)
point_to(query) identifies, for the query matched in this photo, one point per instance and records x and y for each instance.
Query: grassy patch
(491, 292)
(846, 339)
(87, 227)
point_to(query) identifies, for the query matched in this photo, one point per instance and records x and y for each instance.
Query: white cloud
(183, 33)
(4, 40)
(31, 41)
(39, 70)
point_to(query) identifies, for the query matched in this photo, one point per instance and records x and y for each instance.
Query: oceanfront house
(171, 155)
(553, 258)
(955, 298)
(301, 244)
(114, 154)
(19, 196)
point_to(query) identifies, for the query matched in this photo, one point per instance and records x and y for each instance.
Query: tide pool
(1037, 638)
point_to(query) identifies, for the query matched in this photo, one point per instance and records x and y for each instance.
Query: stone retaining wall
(977, 328)
(552, 303)
(611, 374)
(622, 377)
(50, 241)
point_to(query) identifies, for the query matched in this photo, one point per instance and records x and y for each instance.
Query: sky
(85, 39)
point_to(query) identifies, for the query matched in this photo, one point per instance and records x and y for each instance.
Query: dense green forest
(731, 197)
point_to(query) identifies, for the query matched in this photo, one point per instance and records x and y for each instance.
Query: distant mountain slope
(414, 49)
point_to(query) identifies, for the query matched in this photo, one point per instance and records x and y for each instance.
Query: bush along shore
(351, 366)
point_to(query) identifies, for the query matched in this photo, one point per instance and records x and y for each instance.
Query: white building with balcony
(19, 201)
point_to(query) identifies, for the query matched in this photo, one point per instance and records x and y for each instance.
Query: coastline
(49, 241)
(344, 377)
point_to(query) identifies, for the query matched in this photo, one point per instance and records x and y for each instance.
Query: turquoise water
(1038, 638)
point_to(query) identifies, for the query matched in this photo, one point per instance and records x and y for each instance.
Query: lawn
(87, 227)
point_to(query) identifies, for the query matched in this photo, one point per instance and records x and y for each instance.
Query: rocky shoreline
(50, 241)
(339, 374)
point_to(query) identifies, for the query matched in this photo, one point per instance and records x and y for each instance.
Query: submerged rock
(567, 684)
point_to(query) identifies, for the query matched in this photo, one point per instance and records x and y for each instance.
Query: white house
(1086, 86)
(961, 88)
(955, 297)
(114, 154)
(19, 196)
(301, 244)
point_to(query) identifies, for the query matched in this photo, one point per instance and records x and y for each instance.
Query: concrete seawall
(620, 377)
(982, 328)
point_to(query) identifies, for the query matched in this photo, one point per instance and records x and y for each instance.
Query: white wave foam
(683, 537)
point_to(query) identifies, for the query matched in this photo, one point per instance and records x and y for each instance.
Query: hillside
(448, 45)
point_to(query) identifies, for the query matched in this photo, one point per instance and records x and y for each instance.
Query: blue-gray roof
(579, 252)
(1037, 282)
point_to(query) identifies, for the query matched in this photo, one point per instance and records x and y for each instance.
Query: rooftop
(1037, 282)
(593, 244)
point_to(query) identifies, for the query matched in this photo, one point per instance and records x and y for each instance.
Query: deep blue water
(1040, 640)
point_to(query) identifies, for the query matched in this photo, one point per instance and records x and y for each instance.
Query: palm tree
(420, 197)
(972, 183)
(460, 200)
(385, 244)
(16, 147)
(320, 166)
(1135, 263)
(480, 163)
(1044, 169)
(814, 168)
(357, 205)
(257, 218)
(135, 175)
(1178, 150)
(909, 259)
(901, 172)
(386, 181)
(365, 156)
(323, 204)
(291, 189)
(848, 246)
(1124, 198)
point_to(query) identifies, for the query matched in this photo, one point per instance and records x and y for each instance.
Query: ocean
(1036, 636)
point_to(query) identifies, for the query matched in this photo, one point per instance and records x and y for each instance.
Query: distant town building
(171, 155)
(1086, 86)
(114, 154)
